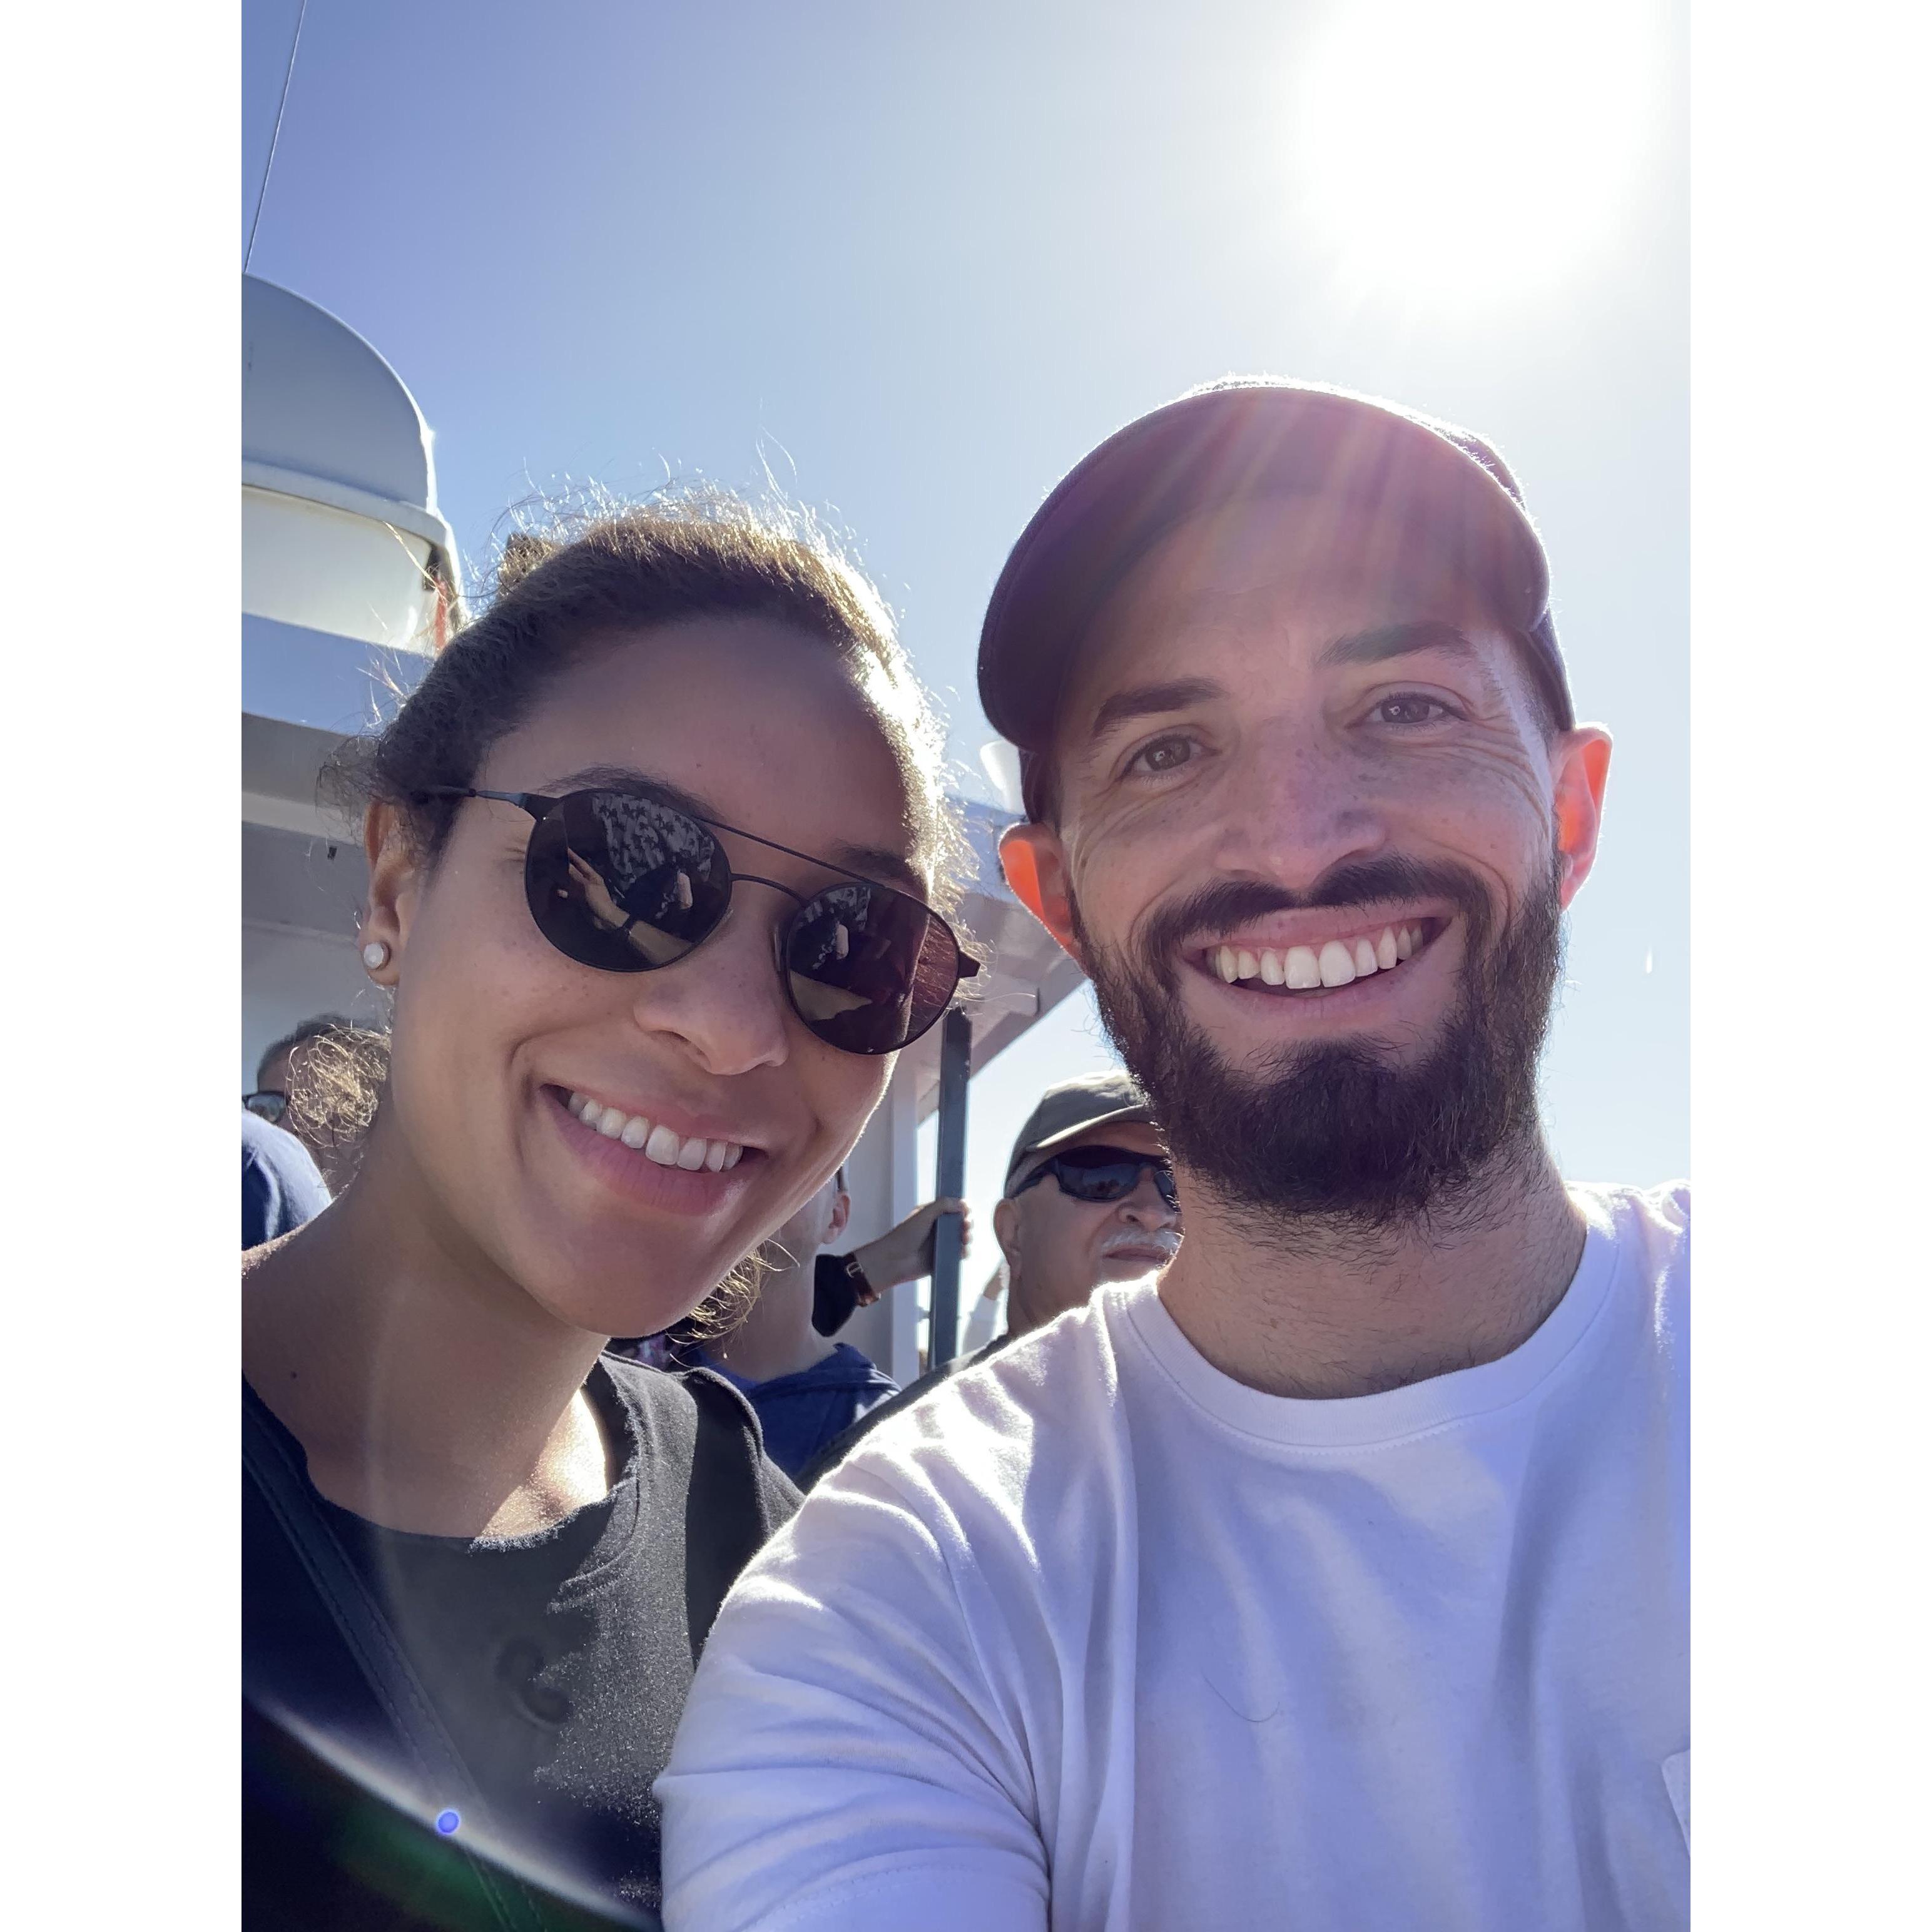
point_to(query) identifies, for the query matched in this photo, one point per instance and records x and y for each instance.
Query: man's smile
(1318, 954)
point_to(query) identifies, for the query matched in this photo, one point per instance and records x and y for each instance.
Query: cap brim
(1216, 446)
(1119, 1116)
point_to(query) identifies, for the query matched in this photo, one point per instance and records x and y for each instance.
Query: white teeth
(1338, 963)
(660, 1143)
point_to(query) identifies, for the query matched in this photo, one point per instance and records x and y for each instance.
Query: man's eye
(1411, 709)
(1164, 754)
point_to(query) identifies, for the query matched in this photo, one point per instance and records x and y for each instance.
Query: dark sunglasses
(269, 1104)
(625, 884)
(1104, 1173)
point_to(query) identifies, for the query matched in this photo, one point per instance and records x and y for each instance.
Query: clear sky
(916, 260)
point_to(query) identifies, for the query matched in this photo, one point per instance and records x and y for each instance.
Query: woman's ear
(1581, 760)
(841, 1213)
(1035, 865)
(395, 883)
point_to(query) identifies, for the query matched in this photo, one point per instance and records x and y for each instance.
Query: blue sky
(916, 260)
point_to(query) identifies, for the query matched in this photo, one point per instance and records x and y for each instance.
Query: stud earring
(375, 956)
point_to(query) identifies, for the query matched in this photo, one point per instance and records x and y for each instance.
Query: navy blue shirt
(800, 1413)
(281, 1187)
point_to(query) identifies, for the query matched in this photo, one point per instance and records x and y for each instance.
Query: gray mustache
(1163, 1238)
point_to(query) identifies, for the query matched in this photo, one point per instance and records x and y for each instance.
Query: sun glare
(1471, 151)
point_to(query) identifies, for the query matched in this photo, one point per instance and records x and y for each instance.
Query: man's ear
(395, 882)
(841, 1213)
(1006, 1229)
(1581, 765)
(1035, 864)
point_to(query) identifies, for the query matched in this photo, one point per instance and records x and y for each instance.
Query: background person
(842, 1282)
(313, 1083)
(1089, 1198)
(478, 1552)
(806, 1389)
(281, 1188)
(1363, 1534)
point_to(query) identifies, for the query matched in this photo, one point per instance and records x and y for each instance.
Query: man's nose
(1147, 1206)
(1301, 805)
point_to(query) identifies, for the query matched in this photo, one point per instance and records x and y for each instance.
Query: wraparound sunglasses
(1105, 1174)
(622, 883)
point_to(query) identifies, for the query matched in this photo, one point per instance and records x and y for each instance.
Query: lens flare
(1473, 154)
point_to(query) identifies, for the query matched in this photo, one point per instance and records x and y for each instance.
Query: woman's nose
(721, 1000)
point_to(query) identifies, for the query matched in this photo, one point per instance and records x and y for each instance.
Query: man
(1089, 1198)
(808, 1390)
(1340, 1580)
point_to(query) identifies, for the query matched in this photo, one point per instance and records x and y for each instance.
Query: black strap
(724, 1523)
(365, 1631)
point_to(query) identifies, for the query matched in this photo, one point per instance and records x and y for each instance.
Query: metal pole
(955, 1053)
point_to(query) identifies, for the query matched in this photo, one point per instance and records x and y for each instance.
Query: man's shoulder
(981, 1427)
(1654, 1220)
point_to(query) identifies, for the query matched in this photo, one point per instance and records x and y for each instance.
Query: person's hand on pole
(905, 1253)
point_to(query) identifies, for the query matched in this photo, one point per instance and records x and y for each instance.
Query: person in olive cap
(1089, 1198)
(1339, 1579)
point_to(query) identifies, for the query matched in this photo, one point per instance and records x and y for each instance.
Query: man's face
(1059, 1249)
(1287, 755)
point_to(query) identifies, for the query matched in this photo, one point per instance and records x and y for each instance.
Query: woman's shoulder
(716, 1430)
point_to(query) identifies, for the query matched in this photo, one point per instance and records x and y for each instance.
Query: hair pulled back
(561, 597)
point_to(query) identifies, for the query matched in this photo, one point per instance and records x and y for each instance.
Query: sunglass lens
(1113, 1183)
(623, 883)
(1112, 1177)
(869, 969)
(269, 1106)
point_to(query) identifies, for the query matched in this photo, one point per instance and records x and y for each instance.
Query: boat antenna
(288, 75)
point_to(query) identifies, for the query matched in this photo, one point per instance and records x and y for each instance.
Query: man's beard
(1342, 1137)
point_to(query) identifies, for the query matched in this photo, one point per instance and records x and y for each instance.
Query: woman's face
(496, 1030)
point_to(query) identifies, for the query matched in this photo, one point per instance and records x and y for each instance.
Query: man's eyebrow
(877, 862)
(1397, 641)
(1150, 700)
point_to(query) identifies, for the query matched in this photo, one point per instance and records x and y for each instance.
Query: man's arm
(846, 1760)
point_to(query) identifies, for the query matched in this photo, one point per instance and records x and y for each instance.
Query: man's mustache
(1165, 1239)
(1226, 903)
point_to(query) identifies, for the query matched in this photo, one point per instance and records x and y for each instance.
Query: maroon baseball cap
(1244, 438)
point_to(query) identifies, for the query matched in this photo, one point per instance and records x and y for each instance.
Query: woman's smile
(651, 1162)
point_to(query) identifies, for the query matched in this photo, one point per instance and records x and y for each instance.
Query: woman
(649, 850)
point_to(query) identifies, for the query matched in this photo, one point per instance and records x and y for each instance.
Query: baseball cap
(1241, 438)
(1067, 1111)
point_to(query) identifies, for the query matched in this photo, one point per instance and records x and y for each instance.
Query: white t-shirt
(1095, 1637)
